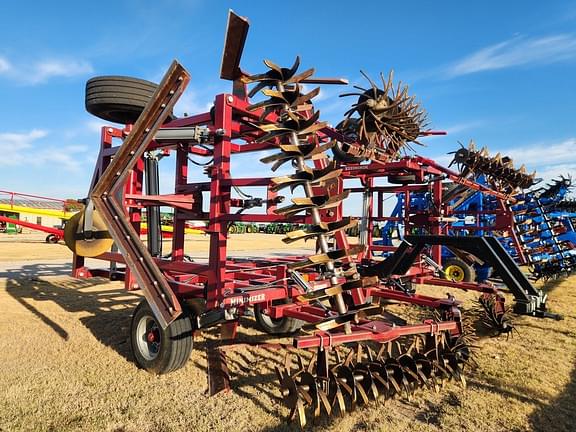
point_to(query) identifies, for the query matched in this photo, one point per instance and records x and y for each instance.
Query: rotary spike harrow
(498, 170)
(387, 118)
(364, 374)
(494, 315)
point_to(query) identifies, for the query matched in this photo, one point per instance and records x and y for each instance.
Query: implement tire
(159, 350)
(285, 325)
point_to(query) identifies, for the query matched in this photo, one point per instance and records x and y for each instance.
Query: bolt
(172, 92)
(230, 99)
(110, 130)
(220, 132)
(163, 105)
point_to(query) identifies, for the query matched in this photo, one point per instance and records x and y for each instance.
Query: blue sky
(501, 73)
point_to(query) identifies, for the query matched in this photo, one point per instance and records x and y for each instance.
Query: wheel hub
(152, 336)
(454, 273)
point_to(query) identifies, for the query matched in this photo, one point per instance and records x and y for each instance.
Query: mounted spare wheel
(159, 350)
(118, 99)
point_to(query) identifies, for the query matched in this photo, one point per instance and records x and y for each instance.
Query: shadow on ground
(108, 309)
(558, 415)
(35, 271)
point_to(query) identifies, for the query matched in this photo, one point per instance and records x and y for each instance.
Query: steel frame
(225, 284)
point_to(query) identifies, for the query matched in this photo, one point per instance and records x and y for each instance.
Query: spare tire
(118, 99)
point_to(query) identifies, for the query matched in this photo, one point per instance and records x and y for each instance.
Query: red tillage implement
(325, 299)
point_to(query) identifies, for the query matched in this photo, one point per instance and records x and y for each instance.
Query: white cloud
(556, 171)
(41, 71)
(95, 125)
(544, 154)
(20, 148)
(518, 51)
(44, 70)
(13, 142)
(5, 65)
(190, 104)
(549, 160)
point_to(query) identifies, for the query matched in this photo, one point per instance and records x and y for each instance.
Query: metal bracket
(105, 193)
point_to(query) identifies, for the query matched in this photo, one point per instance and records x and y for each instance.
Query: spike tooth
(325, 402)
(362, 394)
(301, 413)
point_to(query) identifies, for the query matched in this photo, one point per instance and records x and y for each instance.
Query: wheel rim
(454, 273)
(148, 338)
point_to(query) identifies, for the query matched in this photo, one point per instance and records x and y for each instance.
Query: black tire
(464, 271)
(160, 350)
(270, 325)
(402, 178)
(52, 239)
(118, 99)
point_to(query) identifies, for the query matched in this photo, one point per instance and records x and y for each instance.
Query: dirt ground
(66, 366)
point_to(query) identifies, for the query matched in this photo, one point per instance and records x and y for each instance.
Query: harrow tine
(288, 362)
(367, 385)
(325, 402)
(300, 363)
(298, 410)
(362, 394)
(381, 352)
(279, 373)
(312, 364)
(377, 372)
(349, 358)
(335, 393)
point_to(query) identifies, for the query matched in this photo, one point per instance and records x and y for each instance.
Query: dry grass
(66, 365)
